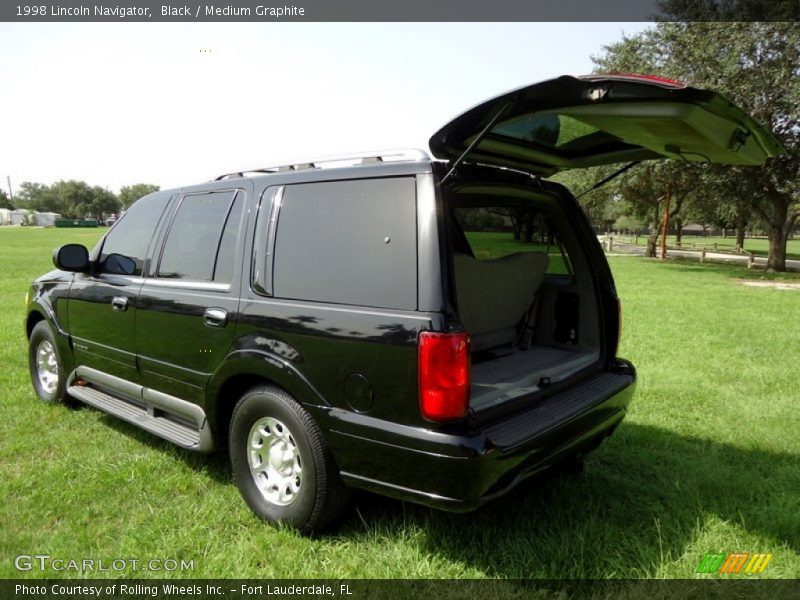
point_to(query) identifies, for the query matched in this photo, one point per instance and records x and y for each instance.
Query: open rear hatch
(523, 287)
(573, 122)
(511, 285)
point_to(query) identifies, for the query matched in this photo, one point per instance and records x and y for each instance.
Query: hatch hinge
(605, 180)
(478, 138)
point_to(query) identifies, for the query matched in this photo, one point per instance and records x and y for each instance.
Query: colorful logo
(734, 563)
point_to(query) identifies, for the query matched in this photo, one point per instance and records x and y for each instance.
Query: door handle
(119, 303)
(215, 317)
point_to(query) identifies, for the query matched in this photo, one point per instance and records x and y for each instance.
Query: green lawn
(758, 246)
(708, 460)
(492, 244)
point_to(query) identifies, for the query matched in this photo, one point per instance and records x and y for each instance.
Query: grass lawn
(708, 460)
(492, 244)
(758, 246)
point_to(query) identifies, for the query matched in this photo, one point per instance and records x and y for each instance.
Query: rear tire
(281, 462)
(45, 365)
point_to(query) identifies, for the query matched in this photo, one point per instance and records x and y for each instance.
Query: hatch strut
(478, 138)
(604, 181)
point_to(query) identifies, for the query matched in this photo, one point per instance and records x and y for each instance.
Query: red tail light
(444, 377)
(665, 81)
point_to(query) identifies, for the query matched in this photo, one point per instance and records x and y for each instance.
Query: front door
(102, 303)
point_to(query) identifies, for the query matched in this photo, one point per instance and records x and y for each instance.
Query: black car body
(335, 326)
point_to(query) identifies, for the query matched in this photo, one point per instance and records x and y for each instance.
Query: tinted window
(351, 242)
(553, 131)
(193, 241)
(131, 235)
(228, 244)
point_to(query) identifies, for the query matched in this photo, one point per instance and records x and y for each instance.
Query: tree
(734, 206)
(757, 66)
(131, 193)
(103, 203)
(602, 205)
(36, 196)
(4, 201)
(627, 224)
(646, 187)
(74, 198)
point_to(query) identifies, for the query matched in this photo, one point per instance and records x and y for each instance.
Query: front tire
(45, 365)
(281, 462)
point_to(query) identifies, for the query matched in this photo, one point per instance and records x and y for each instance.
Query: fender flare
(266, 365)
(63, 338)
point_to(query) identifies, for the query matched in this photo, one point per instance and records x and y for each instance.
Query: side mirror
(72, 257)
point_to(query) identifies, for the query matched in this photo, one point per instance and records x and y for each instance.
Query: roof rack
(346, 160)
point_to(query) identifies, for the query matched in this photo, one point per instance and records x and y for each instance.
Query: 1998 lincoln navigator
(433, 330)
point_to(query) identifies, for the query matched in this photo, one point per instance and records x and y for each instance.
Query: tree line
(756, 65)
(75, 199)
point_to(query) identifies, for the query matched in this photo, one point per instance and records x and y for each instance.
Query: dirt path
(778, 285)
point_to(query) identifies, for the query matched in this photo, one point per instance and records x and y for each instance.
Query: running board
(175, 420)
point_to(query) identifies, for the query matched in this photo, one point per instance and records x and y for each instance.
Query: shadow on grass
(645, 495)
(215, 465)
(640, 502)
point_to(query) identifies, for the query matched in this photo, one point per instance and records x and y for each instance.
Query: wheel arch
(34, 317)
(242, 370)
(38, 313)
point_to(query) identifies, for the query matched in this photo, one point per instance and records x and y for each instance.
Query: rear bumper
(461, 472)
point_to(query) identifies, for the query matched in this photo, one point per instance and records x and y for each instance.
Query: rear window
(497, 231)
(348, 242)
(552, 131)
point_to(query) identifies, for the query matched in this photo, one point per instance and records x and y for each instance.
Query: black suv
(433, 330)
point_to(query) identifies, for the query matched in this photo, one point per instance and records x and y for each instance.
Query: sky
(180, 103)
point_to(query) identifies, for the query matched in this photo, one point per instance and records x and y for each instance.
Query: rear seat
(494, 295)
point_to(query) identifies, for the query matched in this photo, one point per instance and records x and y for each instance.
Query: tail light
(444, 375)
(666, 81)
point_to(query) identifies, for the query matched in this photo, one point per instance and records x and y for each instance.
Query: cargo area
(522, 289)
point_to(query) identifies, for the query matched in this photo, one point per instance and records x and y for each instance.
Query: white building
(5, 216)
(46, 219)
(18, 216)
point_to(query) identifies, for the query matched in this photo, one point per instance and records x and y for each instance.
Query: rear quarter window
(348, 242)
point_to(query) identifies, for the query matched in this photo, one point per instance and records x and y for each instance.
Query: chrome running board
(175, 420)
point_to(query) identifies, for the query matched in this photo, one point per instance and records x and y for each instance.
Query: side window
(496, 231)
(201, 241)
(228, 243)
(131, 236)
(349, 242)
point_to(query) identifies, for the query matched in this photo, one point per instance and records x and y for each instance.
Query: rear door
(188, 305)
(571, 122)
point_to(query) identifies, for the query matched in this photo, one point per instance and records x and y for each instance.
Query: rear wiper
(604, 181)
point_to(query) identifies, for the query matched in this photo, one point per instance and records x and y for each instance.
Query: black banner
(357, 589)
(400, 10)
